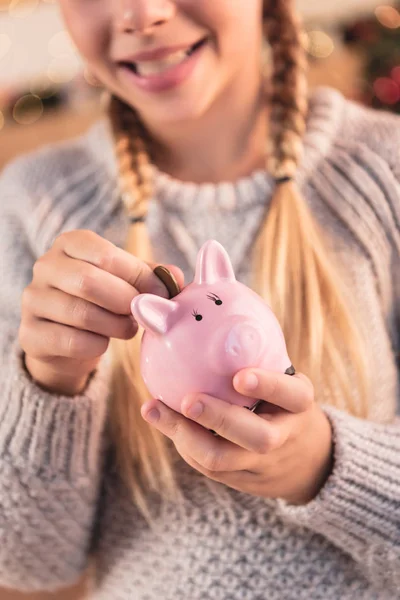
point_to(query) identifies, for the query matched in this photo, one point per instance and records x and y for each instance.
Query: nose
(143, 15)
(243, 343)
(238, 346)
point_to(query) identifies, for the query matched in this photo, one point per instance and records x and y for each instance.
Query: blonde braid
(141, 451)
(288, 98)
(133, 159)
(293, 269)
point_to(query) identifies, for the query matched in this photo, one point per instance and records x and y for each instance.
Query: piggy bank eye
(215, 299)
(197, 316)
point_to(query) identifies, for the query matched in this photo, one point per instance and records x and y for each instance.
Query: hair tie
(283, 179)
(134, 220)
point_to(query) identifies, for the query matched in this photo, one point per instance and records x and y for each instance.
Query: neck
(226, 143)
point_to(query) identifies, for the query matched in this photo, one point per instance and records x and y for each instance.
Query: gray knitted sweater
(217, 543)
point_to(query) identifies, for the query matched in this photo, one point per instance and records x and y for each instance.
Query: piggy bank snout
(238, 345)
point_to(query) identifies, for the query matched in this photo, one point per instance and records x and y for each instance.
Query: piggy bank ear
(153, 312)
(213, 264)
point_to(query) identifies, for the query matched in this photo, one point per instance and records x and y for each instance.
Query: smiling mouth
(157, 67)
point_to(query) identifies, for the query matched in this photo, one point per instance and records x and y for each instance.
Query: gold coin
(168, 280)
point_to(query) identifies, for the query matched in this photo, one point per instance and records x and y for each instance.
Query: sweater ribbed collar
(323, 124)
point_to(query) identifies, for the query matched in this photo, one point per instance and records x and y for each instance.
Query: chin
(178, 112)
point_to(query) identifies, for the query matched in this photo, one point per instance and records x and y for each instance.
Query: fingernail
(250, 382)
(153, 415)
(195, 410)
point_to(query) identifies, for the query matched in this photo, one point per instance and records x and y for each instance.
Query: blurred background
(47, 94)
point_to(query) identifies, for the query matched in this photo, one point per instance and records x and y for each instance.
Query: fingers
(53, 305)
(292, 393)
(85, 281)
(47, 340)
(231, 422)
(213, 454)
(89, 247)
(59, 375)
(235, 479)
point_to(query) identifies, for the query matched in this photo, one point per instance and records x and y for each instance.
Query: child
(297, 502)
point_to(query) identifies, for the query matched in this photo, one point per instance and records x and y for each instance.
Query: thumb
(177, 273)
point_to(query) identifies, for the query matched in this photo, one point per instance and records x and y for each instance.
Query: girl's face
(169, 59)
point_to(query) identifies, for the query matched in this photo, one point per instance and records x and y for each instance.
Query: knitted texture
(58, 498)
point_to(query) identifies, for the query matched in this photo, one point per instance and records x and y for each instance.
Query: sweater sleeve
(358, 509)
(50, 445)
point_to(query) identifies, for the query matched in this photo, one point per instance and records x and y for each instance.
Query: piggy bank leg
(290, 371)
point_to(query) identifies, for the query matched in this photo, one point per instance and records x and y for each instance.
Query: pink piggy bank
(214, 327)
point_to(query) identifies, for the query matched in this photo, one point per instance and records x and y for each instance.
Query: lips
(159, 61)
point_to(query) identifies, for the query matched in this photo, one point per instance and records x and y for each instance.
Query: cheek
(235, 24)
(89, 26)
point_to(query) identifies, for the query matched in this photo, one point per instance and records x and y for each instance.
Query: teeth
(156, 67)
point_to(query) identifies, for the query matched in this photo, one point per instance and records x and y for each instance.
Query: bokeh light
(396, 74)
(28, 109)
(63, 69)
(387, 90)
(43, 88)
(318, 44)
(388, 16)
(61, 44)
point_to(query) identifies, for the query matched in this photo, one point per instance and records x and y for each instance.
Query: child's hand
(283, 451)
(79, 298)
